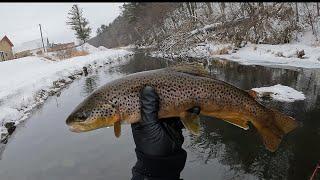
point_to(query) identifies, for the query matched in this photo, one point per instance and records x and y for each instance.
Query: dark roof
(5, 38)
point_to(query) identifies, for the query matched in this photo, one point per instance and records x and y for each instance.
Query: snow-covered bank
(304, 53)
(280, 93)
(277, 55)
(27, 82)
(255, 54)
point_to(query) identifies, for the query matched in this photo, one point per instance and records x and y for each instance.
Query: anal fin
(191, 122)
(238, 122)
(117, 128)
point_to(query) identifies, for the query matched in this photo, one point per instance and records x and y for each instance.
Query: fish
(180, 87)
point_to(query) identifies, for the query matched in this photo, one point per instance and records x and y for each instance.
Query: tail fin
(274, 128)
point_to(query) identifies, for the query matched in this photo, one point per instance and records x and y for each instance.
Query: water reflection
(99, 156)
(243, 151)
(91, 83)
(143, 63)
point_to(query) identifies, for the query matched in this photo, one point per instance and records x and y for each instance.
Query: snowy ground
(280, 93)
(27, 82)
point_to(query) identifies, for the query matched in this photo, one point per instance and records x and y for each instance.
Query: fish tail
(274, 128)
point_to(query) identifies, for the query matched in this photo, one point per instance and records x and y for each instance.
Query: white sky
(20, 21)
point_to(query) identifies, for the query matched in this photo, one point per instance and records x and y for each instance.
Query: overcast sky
(20, 21)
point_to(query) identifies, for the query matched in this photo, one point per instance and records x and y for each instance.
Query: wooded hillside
(169, 26)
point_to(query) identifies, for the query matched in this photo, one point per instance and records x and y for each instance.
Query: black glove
(158, 142)
(153, 136)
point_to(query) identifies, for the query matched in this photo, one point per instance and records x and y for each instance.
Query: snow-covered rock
(281, 93)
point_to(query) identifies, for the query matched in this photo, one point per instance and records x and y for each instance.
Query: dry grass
(69, 53)
(78, 53)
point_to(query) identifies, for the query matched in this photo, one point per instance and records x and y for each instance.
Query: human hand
(153, 136)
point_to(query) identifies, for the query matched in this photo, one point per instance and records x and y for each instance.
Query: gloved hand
(153, 136)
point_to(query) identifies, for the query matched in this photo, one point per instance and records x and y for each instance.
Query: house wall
(5, 51)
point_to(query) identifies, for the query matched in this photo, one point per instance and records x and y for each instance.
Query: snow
(281, 93)
(277, 55)
(27, 82)
(284, 55)
(205, 28)
(102, 48)
(130, 46)
(147, 47)
(89, 48)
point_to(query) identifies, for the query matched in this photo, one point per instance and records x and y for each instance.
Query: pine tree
(79, 24)
(99, 31)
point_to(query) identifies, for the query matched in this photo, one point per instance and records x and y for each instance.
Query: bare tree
(209, 8)
(297, 12)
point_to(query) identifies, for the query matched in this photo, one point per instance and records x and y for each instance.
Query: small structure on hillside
(29, 48)
(6, 49)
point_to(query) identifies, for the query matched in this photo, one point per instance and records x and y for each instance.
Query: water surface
(44, 148)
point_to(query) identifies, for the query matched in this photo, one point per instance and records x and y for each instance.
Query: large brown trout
(179, 88)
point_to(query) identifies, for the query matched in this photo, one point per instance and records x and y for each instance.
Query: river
(43, 148)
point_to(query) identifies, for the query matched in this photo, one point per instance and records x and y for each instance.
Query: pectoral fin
(117, 128)
(191, 122)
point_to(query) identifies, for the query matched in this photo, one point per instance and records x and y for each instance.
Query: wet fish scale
(177, 91)
(181, 89)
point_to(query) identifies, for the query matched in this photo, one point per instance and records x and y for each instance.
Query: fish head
(91, 114)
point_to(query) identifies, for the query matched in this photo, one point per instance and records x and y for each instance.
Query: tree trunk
(135, 28)
(222, 10)
(311, 21)
(173, 21)
(192, 11)
(209, 7)
(189, 8)
(318, 12)
(297, 13)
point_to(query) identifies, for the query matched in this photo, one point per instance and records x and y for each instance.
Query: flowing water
(43, 148)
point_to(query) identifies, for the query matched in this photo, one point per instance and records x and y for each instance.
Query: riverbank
(27, 82)
(303, 53)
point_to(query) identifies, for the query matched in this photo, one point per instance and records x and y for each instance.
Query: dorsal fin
(196, 69)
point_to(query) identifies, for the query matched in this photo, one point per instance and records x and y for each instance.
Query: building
(6, 49)
(32, 46)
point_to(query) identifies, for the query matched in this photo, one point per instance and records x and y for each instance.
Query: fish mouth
(77, 128)
(91, 124)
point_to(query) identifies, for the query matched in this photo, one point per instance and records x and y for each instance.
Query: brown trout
(179, 88)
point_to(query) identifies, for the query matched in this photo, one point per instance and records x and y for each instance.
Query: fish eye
(81, 116)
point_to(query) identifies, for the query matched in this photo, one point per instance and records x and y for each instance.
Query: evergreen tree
(79, 24)
(103, 28)
(99, 31)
